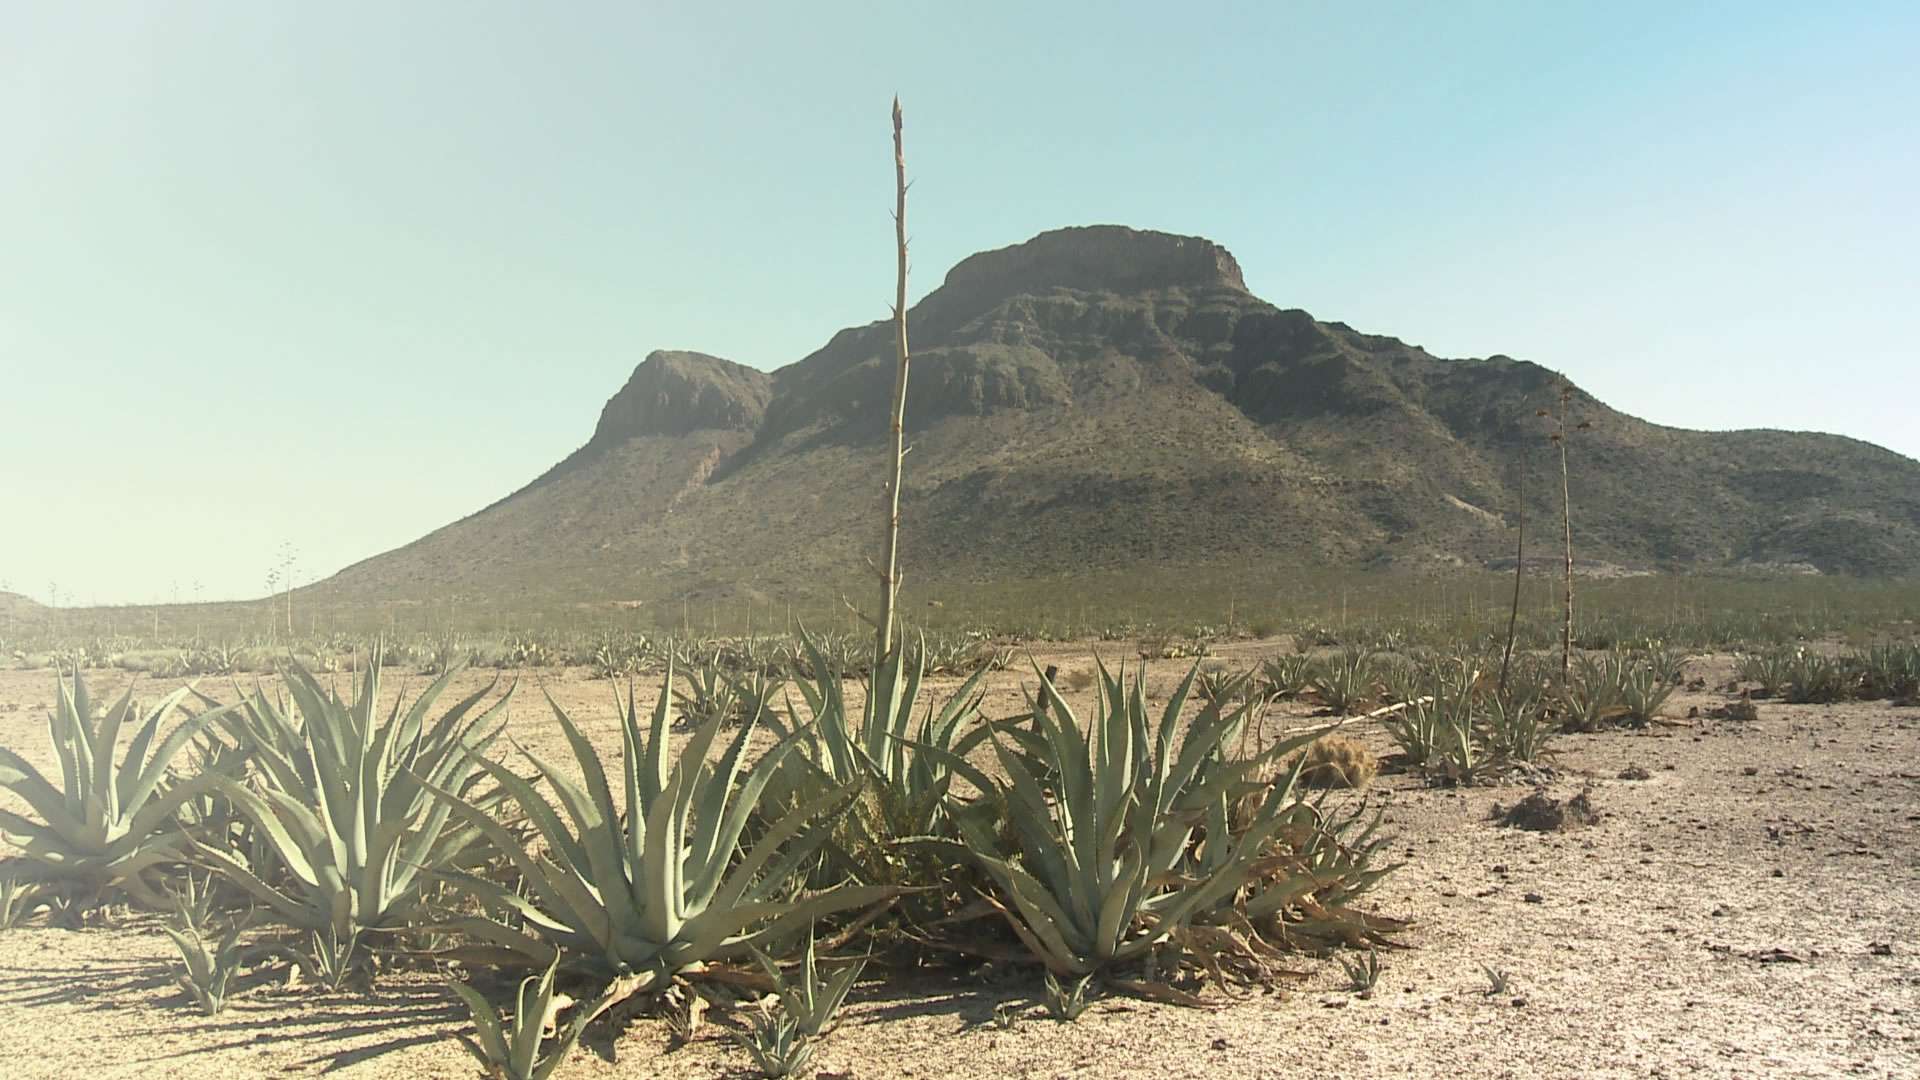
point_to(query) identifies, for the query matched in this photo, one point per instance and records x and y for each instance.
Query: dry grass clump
(1335, 761)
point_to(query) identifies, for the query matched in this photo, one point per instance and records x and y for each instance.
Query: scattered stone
(1880, 948)
(1217, 1044)
(1742, 710)
(1538, 813)
(1635, 772)
(1534, 898)
(1751, 770)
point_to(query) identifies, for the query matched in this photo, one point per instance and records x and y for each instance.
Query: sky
(285, 286)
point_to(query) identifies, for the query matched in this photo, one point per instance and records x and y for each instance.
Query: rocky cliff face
(678, 393)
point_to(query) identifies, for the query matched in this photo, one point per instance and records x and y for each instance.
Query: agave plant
(344, 805)
(710, 694)
(109, 823)
(1066, 1002)
(777, 1045)
(812, 1001)
(1814, 678)
(1343, 681)
(1287, 675)
(1771, 668)
(206, 970)
(662, 887)
(1513, 724)
(1591, 696)
(1102, 866)
(1891, 671)
(884, 747)
(1431, 725)
(510, 1049)
(1309, 875)
(18, 899)
(1645, 682)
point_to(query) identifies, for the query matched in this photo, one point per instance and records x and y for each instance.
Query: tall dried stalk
(890, 569)
(1519, 566)
(1559, 439)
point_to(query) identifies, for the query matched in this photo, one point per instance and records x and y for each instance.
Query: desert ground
(1746, 910)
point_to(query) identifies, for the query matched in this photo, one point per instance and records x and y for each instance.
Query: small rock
(1217, 1044)
(1635, 772)
(1751, 770)
(1534, 898)
(1880, 948)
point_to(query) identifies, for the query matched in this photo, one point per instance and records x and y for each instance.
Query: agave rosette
(343, 801)
(110, 821)
(666, 884)
(1107, 858)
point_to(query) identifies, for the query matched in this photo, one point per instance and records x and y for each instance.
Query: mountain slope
(1107, 398)
(18, 614)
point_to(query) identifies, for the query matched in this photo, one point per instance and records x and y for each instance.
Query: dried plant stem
(1566, 515)
(1559, 439)
(1519, 567)
(890, 569)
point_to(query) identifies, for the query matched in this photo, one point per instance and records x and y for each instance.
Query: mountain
(18, 614)
(1102, 398)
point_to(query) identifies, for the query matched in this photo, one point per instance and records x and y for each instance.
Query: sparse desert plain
(1743, 906)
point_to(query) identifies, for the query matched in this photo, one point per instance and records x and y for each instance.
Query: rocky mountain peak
(673, 392)
(1095, 258)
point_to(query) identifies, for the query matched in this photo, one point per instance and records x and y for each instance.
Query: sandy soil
(1748, 910)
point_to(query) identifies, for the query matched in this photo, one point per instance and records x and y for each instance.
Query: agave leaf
(492, 1046)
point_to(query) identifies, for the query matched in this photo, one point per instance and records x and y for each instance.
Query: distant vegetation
(1724, 612)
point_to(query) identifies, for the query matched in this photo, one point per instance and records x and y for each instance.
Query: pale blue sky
(336, 274)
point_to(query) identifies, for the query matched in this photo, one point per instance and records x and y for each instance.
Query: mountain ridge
(1104, 397)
